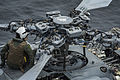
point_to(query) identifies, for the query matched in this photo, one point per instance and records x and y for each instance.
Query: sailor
(17, 53)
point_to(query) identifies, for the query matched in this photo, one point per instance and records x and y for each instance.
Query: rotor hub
(62, 20)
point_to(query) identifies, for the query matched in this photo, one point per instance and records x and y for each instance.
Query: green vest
(16, 55)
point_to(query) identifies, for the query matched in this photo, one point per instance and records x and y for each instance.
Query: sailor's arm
(29, 52)
(3, 53)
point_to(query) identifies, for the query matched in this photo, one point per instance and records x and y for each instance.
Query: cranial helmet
(22, 32)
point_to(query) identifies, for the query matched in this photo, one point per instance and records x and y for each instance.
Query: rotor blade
(4, 26)
(92, 4)
(33, 73)
(1, 46)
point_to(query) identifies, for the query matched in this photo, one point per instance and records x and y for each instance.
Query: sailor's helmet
(22, 32)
